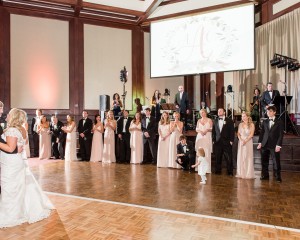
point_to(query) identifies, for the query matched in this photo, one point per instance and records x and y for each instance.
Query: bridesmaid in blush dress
(164, 140)
(97, 144)
(71, 139)
(176, 127)
(204, 139)
(136, 139)
(109, 138)
(45, 138)
(245, 164)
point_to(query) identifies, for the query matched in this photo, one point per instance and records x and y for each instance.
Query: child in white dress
(202, 169)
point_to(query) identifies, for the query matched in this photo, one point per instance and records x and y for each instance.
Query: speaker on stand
(104, 105)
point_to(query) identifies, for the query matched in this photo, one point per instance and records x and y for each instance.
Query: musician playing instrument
(255, 105)
(268, 97)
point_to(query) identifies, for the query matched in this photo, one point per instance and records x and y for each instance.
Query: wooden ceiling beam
(78, 7)
(194, 11)
(109, 14)
(64, 10)
(171, 2)
(112, 9)
(155, 4)
(107, 19)
(64, 2)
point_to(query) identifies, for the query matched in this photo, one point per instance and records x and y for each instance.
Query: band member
(116, 105)
(155, 102)
(270, 142)
(255, 105)
(268, 97)
(182, 104)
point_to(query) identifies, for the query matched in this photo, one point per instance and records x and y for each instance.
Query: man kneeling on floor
(185, 153)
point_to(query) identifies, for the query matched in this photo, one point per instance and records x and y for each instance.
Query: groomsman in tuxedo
(149, 128)
(270, 142)
(223, 137)
(124, 137)
(268, 96)
(55, 130)
(185, 153)
(84, 129)
(182, 104)
(34, 130)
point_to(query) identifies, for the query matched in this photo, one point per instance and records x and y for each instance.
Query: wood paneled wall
(76, 58)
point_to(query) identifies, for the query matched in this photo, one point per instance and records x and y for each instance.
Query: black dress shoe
(278, 180)
(154, 163)
(218, 173)
(230, 174)
(264, 178)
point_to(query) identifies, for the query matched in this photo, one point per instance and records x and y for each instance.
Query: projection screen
(204, 43)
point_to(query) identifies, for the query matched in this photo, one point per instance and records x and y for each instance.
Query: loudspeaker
(104, 102)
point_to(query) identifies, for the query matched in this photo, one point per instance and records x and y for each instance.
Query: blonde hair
(200, 152)
(203, 110)
(249, 118)
(176, 113)
(1, 104)
(71, 119)
(17, 117)
(162, 120)
(112, 115)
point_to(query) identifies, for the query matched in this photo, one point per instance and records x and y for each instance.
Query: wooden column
(5, 58)
(220, 89)
(138, 78)
(189, 88)
(76, 60)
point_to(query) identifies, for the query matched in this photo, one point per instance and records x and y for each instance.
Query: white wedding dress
(21, 200)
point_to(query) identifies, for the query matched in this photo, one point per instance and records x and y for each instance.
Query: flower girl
(202, 169)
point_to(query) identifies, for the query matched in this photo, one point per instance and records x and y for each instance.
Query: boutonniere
(224, 123)
(187, 149)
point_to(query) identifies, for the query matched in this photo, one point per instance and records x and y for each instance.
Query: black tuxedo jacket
(227, 133)
(266, 99)
(86, 129)
(190, 150)
(151, 128)
(120, 125)
(271, 137)
(183, 103)
(56, 132)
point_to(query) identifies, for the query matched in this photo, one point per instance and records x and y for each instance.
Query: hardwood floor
(201, 208)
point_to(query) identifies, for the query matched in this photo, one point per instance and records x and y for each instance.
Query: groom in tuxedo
(149, 128)
(270, 142)
(182, 104)
(124, 137)
(223, 137)
(84, 129)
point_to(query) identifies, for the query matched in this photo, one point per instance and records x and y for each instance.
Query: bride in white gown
(21, 200)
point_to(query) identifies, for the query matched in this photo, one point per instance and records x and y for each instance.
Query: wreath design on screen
(208, 30)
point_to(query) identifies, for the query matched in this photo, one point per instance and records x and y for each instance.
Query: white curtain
(278, 36)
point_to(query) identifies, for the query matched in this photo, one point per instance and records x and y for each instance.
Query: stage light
(283, 63)
(293, 67)
(229, 88)
(275, 61)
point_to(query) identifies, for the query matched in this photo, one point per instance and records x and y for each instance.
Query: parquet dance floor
(118, 201)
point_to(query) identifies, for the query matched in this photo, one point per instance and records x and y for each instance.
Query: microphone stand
(285, 112)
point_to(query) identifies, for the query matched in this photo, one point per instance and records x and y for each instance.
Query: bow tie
(125, 118)
(270, 91)
(221, 119)
(148, 117)
(271, 119)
